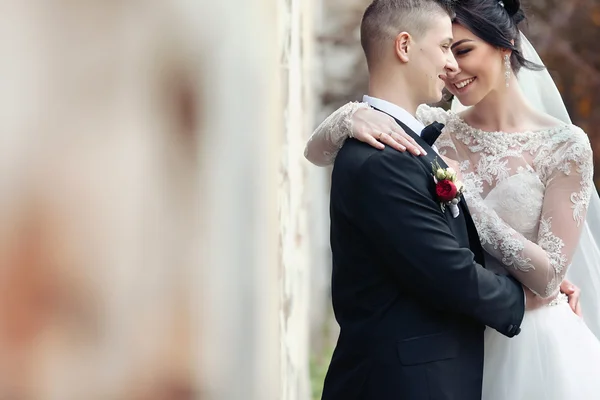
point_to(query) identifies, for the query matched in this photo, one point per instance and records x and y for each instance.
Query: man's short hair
(383, 20)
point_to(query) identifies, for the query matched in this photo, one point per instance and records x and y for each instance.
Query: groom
(410, 292)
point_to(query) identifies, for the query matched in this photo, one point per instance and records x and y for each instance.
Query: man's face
(431, 59)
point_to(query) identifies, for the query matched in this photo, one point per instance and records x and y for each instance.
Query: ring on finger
(380, 135)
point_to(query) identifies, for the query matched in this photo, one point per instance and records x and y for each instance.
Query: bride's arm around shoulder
(323, 145)
(427, 114)
(356, 120)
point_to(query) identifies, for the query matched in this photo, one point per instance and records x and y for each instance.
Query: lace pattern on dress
(517, 186)
(497, 170)
(328, 138)
(553, 246)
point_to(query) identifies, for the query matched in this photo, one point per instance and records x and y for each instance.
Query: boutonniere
(448, 189)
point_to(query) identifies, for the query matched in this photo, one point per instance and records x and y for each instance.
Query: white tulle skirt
(555, 357)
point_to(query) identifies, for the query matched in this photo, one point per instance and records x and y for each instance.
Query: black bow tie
(431, 132)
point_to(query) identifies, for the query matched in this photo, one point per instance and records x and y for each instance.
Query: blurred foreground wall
(154, 201)
(99, 200)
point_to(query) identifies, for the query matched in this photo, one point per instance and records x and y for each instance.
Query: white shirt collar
(397, 112)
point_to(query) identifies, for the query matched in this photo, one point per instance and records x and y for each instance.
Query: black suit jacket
(409, 290)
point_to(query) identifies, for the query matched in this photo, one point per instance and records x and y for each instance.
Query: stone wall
(293, 194)
(239, 291)
(343, 70)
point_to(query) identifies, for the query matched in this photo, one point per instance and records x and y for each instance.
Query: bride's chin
(466, 101)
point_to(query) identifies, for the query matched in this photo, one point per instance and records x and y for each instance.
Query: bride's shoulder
(564, 133)
(577, 134)
(427, 114)
(561, 133)
(572, 143)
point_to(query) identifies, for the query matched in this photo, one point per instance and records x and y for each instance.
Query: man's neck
(397, 112)
(397, 93)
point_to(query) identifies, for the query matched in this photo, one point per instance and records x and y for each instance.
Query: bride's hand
(376, 128)
(572, 293)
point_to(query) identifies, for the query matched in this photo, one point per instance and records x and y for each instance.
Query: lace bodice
(527, 192)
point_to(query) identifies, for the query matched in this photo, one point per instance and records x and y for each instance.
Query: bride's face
(480, 67)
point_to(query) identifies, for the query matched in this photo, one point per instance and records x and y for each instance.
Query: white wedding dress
(528, 194)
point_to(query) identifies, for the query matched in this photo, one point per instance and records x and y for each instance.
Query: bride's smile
(463, 85)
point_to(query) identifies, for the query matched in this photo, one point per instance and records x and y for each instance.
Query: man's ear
(402, 46)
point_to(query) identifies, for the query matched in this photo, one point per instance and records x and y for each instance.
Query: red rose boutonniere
(447, 188)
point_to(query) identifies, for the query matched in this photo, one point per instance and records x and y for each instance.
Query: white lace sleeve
(325, 142)
(427, 114)
(567, 172)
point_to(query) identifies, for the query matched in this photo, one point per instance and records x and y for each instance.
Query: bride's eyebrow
(460, 42)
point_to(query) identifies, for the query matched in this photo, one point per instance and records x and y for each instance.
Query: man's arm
(412, 236)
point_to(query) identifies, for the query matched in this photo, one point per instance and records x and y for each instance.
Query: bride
(528, 179)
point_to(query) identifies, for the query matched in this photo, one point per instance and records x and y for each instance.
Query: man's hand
(572, 293)
(534, 301)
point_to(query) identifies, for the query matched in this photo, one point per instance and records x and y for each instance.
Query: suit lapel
(431, 154)
(427, 160)
(474, 241)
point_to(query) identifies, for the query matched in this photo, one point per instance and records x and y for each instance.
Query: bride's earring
(507, 68)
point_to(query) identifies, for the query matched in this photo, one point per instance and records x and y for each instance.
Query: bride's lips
(463, 85)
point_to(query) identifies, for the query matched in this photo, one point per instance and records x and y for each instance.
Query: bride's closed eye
(462, 52)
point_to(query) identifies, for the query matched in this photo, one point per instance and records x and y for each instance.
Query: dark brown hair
(383, 20)
(496, 22)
